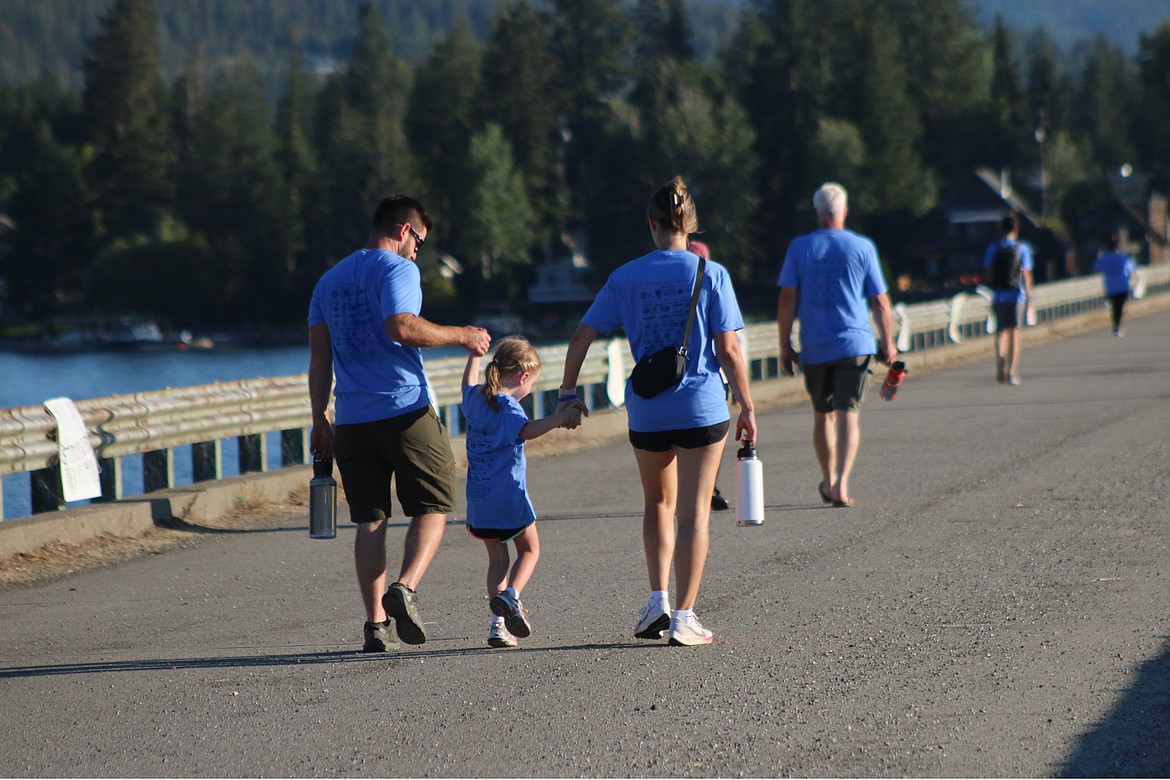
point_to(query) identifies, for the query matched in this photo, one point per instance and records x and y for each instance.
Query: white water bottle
(749, 486)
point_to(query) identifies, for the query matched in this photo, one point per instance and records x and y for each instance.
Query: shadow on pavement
(1134, 739)
(285, 659)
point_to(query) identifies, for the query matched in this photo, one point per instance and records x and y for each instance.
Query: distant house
(565, 280)
(945, 247)
(1137, 213)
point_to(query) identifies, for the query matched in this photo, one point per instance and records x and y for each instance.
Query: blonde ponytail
(514, 355)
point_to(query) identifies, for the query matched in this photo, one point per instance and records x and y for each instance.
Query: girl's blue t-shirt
(376, 378)
(649, 298)
(497, 490)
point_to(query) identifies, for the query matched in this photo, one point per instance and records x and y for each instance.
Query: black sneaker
(718, 502)
(401, 603)
(379, 638)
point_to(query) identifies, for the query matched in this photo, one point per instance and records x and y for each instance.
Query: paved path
(998, 605)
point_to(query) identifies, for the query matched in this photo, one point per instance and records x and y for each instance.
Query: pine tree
(439, 126)
(587, 41)
(1104, 105)
(1010, 127)
(362, 149)
(517, 93)
(122, 99)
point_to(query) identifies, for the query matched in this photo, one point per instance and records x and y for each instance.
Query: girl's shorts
(497, 534)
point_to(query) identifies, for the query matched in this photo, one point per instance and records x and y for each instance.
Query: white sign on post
(79, 468)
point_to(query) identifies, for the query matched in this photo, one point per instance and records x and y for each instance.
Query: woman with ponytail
(678, 435)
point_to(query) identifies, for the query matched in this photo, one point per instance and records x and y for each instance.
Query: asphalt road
(998, 604)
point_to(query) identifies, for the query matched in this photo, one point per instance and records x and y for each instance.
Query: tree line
(206, 201)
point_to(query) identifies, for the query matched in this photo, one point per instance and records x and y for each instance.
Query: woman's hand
(745, 426)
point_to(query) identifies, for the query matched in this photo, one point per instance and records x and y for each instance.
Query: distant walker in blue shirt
(1007, 301)
(826, 280)
(1118, 271)
(498, 507)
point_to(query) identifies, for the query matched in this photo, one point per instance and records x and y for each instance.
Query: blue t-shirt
(1117, 269)
(497, 490)
(1026, 264)
(835, 272)
(649, 298)
(377, 378)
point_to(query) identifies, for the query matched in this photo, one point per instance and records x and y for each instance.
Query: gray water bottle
(323, 500)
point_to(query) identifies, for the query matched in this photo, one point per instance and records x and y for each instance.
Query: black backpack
(1005, 268)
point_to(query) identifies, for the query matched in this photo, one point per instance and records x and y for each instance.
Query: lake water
(29, 380)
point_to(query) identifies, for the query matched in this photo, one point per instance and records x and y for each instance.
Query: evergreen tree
(362, 148)
(1048, 85)
(234, 198)
(439, 126)
(1105, 106)
(298, 170)
(587, 40)
(894, 178)
(122, 98)
(1010, 128)
(52, 212)
(948, 78)
(499, 218)
(781, 76)
(517, 93)
(1154, 74)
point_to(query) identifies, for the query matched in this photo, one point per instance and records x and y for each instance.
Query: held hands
(477, 341)
(569, 418)
(887, 353)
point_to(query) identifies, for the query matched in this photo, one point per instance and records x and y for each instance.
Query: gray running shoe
(401, 603)
(513, 612)
(378, 637)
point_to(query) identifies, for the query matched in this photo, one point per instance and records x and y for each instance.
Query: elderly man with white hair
(827, 279)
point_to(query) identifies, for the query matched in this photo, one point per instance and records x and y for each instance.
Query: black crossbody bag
(665, 368)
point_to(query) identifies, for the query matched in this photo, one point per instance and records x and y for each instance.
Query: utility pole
(1041, 133)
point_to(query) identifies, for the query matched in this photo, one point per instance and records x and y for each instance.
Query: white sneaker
(688, 631)
(652, 621)
(499, 635)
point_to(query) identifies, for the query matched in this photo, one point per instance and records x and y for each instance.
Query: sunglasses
(418, 240)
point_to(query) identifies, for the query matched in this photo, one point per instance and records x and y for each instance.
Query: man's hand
(321, 440)
(477, 341)
(789, 360)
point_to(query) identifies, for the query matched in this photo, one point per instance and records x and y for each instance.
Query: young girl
(498, 507)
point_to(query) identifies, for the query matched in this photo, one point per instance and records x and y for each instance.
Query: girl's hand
(570, 418)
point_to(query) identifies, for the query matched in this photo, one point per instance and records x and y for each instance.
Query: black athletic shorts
(685, 438)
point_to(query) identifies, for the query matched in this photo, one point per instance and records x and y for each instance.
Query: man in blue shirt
(365, 328)
(826, 280)
(1118, 270)
(1008, 263)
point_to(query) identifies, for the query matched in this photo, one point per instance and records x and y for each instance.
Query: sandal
(825, 497)
(846, 503)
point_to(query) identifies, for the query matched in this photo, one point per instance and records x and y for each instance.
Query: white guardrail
(154, 424)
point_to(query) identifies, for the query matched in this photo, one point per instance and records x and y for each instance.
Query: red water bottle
(894, 379)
